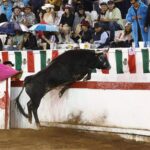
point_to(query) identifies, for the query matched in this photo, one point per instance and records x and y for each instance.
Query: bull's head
(103, 62)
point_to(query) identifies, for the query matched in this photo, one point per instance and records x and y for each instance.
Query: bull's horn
(103, 50)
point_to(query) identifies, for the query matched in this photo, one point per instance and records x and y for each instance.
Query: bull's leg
(87, 77)
(63, 90)
(29, 104)
(36, 116)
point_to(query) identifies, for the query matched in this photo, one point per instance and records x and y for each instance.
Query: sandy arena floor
(64, 139)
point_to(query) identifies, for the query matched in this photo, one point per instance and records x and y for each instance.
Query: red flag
(5, 56)
(132, 61)
(30, 61)
(54, 54)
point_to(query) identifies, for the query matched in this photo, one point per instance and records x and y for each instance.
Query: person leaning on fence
(137, 16)
(29, 41)
(147, 24)
(100, 37)
(124, 38)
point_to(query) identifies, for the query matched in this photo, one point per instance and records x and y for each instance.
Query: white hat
(47, 6)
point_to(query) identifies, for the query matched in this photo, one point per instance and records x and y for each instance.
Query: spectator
(80, 15)
(66, 21)
(137, 16)
(6, 8)
(85, 34)
(103, 10)
(36, 6)
(17, 40)
(49, 15)
(124, 39)
(113, 19)
(147, 24)
(3, 18)
(29, 41)
(17, 15)
(100, 37)
(30, 18)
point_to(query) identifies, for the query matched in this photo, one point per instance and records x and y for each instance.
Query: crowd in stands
(103, 23)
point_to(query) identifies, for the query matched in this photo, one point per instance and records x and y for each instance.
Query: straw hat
(44, 7)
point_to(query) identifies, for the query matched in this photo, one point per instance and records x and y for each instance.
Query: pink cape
(6, 72)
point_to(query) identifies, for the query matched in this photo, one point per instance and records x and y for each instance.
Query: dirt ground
(64, 139)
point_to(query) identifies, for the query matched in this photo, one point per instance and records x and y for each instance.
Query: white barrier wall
(98, 107)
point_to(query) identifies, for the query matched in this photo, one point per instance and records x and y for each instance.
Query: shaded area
(64, 139)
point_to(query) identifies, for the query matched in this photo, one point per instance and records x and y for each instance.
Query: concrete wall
(119, 109)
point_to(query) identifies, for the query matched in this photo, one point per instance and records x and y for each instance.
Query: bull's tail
(19, 105)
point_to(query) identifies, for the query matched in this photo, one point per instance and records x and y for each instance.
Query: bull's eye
(100, 59)
(104, 64)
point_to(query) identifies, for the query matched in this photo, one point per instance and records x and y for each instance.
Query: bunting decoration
(124, 61)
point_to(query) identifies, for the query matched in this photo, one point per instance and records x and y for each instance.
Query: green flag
(119, 62)
(145, 58)
(18, 60)
(43, 59)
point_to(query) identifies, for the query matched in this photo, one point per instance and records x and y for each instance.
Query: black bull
(67, 68)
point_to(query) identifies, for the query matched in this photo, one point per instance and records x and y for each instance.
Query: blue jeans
(148, 42)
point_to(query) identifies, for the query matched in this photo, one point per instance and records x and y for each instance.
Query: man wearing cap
(137, 16)
(86, 33)
(101, 37)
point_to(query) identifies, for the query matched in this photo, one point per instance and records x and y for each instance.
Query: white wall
(111, 108)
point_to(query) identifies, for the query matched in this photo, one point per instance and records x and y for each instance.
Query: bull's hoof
(38, 125)
(30, 120)
(60, 94)
(84, 79)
